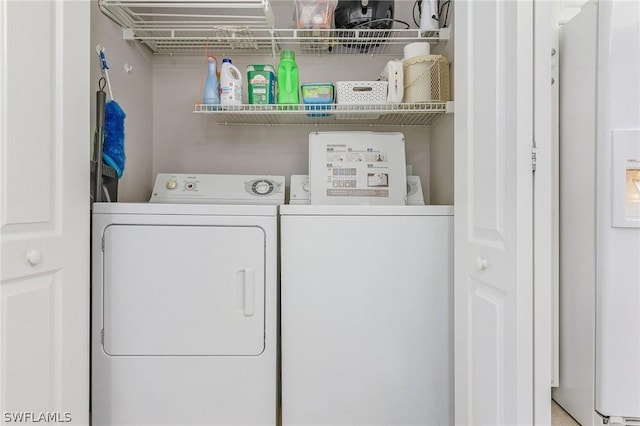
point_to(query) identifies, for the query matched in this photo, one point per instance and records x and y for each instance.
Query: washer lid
(315, 210)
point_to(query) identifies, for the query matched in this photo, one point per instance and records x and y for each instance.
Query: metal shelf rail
(402, 114)
(244, 27)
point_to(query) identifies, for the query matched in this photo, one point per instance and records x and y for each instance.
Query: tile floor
(559, 417)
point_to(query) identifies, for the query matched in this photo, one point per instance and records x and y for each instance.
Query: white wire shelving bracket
(402, 114)
(245, 27)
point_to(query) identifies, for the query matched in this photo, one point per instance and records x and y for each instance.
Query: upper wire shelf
(401, 114)
(245, 27)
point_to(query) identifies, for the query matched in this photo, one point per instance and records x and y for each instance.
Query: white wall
(164, 135)
(133, 92)
(188, 142)
(441, 166)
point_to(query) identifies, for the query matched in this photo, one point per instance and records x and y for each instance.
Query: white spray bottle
(428, 15)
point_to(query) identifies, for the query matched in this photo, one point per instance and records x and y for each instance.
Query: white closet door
(44, 207)
(493, 213)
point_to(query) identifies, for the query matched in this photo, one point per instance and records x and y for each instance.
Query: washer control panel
(218, 189)
(300, 190)
(299, 193)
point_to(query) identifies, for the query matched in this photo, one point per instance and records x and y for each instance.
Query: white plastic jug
(428, 16)
(230, 84)
(393, 73)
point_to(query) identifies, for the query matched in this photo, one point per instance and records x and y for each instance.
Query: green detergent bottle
(288, 92)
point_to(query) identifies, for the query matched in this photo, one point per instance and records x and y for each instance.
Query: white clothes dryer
(184, 314)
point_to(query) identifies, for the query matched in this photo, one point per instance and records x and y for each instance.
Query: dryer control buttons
(171, 184)
(262, 187)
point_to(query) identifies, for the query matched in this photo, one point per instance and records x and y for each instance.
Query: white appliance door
(183, 290)
(366, 321)
(44, 210)
(493, 213)
(618, 247)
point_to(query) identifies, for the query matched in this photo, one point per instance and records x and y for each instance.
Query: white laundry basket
(426, 79)
(353, 97)
(361, 92)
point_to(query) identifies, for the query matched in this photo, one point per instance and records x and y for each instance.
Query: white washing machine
(184, 305)
(366, 315)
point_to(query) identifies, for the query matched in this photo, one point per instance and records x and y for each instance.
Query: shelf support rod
(273, 48)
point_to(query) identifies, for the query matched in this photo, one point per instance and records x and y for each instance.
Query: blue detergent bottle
(211, 93)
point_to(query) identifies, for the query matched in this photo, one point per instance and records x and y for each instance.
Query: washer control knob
(305, 186)
(171, 184)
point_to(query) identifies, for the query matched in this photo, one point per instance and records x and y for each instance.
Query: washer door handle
(249, 292)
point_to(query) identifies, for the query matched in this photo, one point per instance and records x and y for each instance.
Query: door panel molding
(493, 222)
(44, 210)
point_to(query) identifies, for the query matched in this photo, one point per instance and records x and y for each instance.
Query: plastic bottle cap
(287, 54)
(226, 60)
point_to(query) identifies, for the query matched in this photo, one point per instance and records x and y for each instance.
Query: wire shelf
(245, 27)
(402, 114)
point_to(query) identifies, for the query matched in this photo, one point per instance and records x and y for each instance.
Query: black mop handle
(101, 99)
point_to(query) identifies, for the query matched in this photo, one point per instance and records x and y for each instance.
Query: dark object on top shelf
(375, 15)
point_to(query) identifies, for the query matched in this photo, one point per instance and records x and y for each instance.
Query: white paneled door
(494, 374)
(44, 208)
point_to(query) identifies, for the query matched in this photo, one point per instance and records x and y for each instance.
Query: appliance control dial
(171, 184)
(262, 187)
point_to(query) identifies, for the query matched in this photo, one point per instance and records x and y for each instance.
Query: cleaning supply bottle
(288, 78)
(230, 84)
(211, 93)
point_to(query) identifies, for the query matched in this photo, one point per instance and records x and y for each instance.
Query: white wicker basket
(361, 92)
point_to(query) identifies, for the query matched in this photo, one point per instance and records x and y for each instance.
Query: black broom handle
(101, 98)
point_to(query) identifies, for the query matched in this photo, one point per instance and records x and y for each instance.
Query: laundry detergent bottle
(211, 93)
(230, 84)
(288, 78)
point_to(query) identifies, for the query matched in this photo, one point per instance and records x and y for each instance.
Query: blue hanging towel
(113, 150)
(113, 147)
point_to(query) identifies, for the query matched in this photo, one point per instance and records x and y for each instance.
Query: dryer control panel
(218, 189)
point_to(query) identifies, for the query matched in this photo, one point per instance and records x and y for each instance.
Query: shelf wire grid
(170, 26)
(244, 27)
(402, 114)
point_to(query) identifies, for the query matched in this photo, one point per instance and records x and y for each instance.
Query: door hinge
(102, 244)
(102, 336)
(534, 158)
